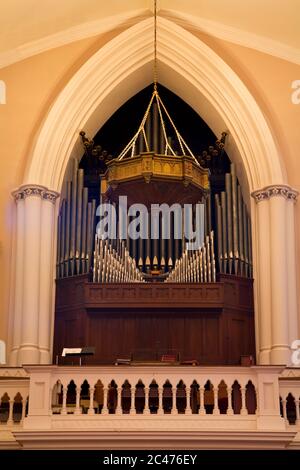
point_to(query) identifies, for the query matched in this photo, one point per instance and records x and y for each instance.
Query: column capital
(276, 190)
(28, 190)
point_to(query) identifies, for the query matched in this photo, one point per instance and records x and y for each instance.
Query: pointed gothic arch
(199, 76)
(121, 68)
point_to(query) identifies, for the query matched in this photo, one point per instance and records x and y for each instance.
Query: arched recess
(199, 76)
(189, 68)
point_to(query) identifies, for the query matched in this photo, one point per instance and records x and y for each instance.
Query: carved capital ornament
(34, 190)
(277, 190)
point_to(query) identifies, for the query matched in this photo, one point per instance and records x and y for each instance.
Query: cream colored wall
(273, 19)
(33, 84)
(31, 87)
(269, 80)
(23, 21)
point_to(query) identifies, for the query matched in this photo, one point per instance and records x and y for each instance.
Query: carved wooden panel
(210, 322)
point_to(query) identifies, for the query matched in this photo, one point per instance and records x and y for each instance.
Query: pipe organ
(138, 285)
(77, 252)
(196, 266)
(233, 228)
(76, 226)
(111, 265)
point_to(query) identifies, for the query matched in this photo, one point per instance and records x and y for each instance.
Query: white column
(24, 402)
(91, 407)
(10, 420)
(105, 401)
(229, 395)
(29, 349)
(202, 410)
(280, 352)
(64, 403)
(264, 284)
(132, 404)
(18, 287)
(188, 410)
(277, 272)
(297, 411)
(119, 410)
(33, 278)
(160, 410)
(174, 395)
(244, 410)
(216, 401)
(283, 402)
(146, 409)
(46, 278)
(292, 271)
(77, 408)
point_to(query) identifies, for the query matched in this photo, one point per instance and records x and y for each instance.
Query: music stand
(78, 352)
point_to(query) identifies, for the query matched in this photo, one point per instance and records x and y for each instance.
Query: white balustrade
(194, 398)
(289, 388)
(14, 391)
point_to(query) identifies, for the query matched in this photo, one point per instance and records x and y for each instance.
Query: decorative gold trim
(277, 190)
(150, 166)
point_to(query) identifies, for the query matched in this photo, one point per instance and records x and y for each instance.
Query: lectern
(78, 352)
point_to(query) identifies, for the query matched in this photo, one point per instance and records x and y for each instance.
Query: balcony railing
(125, 406)
(156, 398)
(289, 390)
(14, 391)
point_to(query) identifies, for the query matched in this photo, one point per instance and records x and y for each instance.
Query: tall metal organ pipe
(76, 228)
(233, 229)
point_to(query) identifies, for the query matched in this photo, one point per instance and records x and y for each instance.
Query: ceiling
(25, 21)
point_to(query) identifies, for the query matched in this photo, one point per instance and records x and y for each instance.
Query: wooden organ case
(145, 299)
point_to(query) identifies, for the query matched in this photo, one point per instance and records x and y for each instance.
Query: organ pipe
(76, 229)
(174, 242)
(141, 253)
(170, 244)
(63, 238)
(234, 217)
(241, 231)
(155, 254)
(84, 229)
(245, 229)
(113, 266)
(59, 236)
(208, 199)
(224, 230)
(250, 248)
(68, 228)
(162, 244)
(219, 231)
(229, 219)
(79, 220)
(233, 229)
(89, 238)
(73, 216)
(197, 265)
(148, 245)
